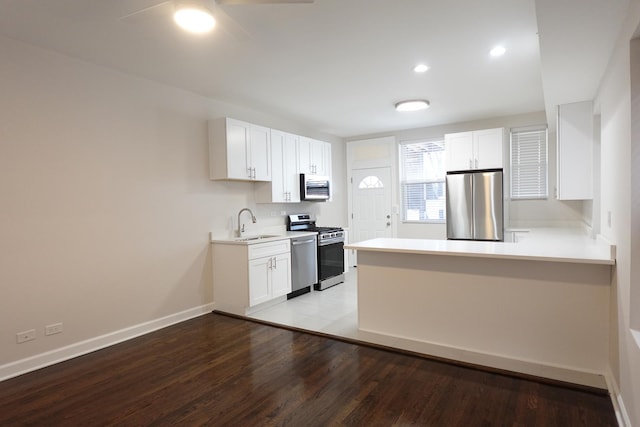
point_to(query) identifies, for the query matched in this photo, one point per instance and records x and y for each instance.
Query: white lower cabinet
(269, 277)
(245, 275)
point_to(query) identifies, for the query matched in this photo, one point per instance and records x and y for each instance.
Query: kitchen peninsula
(538, 307)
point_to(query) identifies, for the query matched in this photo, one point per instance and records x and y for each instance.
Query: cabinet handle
(249, 172)
(254, 173)
(270, 264)
(275, 263)
(470, 164)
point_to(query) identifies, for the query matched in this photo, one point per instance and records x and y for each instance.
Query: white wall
(614, 102)
(522, 213)
(106, 202)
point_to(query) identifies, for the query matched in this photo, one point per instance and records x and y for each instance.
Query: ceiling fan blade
(231, 2)
(229, 25)
(144, 9)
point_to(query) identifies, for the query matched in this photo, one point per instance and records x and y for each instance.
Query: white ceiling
(340, 65)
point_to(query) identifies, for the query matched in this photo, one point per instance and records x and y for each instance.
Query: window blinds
(529, 163)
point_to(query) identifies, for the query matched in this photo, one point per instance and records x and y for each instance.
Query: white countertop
(247, 240)
(582, 250)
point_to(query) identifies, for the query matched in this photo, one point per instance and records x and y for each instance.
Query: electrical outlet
(54, 328)
(25, 336)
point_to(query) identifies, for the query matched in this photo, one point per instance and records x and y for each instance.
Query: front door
(371, 192)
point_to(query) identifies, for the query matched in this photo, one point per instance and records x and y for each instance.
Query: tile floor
(332, 311)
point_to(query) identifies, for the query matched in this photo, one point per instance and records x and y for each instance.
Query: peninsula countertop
(572, 249)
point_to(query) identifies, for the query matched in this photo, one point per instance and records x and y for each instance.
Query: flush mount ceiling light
(497, 51)
(421, 68)
(412, 105)
(194, 16)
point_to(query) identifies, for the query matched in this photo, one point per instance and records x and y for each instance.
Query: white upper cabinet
(575, 151)
(459, 151)
(239, 150)
(314, 157)
(483, 149)
(285, 184)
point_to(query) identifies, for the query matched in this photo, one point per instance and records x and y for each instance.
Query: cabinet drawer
(260, 250)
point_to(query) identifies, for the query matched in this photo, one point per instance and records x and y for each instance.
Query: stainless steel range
(330, 253)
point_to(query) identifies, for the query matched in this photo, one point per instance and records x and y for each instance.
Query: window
(423, 180)
(370, 182)
(529, 163)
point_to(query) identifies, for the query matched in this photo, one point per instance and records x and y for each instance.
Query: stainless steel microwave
(315, 188)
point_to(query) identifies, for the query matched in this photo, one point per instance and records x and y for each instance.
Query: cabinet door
(304, 155)
(278, 174)
(575, 151)
(259, 277)
(488, 149)
(323, 162)
(314, 157)
(290, 168)
(318, 158)
(459, 151)
(260, 153)
(281, 275)
(238, 139)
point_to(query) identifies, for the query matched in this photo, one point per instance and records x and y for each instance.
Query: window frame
(515, 168)
(403, 182)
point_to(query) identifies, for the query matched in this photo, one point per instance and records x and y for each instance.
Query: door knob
(388, 224)
(388, 216)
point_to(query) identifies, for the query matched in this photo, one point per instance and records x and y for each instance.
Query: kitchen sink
(259, 237)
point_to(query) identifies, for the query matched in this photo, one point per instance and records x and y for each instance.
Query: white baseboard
(529, 367)
(616, 399)
(52, 357)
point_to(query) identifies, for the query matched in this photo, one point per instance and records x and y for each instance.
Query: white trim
(391, 162)
(48, 358)
(616, 399)
(529, 367)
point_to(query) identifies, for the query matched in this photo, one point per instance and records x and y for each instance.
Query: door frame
(373, 153)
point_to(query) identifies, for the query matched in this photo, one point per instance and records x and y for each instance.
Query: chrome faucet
(253, 219)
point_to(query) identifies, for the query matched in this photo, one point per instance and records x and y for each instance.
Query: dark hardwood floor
(223, 371)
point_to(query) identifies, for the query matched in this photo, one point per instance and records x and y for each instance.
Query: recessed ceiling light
(194, 17)
(412, 105)
(420, 68)
(497, 51)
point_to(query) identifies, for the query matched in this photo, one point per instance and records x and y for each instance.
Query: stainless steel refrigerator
(475, 205)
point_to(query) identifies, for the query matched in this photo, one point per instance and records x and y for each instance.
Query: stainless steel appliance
(330, 257)
(304, 265)
(330, 249)
(474, 205)
(314, 188)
